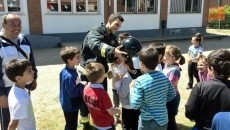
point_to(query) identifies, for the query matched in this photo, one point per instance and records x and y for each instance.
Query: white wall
(70, 23)
(24, 18)
(184, 20)
(140, 21)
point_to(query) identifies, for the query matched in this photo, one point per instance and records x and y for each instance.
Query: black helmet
(131, 45)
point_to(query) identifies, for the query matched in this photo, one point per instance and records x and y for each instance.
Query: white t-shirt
(117, 69)
(159, 68)
(136, 61)
(21, 108)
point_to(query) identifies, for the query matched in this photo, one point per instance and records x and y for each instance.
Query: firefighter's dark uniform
(97, 47)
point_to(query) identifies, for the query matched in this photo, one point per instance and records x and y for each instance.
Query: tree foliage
(219, 15)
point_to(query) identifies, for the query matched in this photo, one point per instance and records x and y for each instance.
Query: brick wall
(205, 12)
(34, 15)
(108, 9)
(163, 11)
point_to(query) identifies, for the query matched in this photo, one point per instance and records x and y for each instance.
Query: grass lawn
(49, 115)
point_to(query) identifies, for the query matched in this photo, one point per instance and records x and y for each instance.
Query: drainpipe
(109, 5)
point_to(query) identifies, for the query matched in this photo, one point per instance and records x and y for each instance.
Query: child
(21, 111)
(160, 47)
(129, 115)
(134, 70)
(210, 97)
(194, 53)
(172, 71)
(97, 99)
(70, 87)
(202, 66)
(116, 68)
(121, 36)
(199, 35)
(150, 92)
(132, 63)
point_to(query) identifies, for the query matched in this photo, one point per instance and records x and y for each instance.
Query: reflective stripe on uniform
(84, 119)
(103, 50)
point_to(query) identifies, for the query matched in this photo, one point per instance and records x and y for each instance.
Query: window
(137, 6)
(86, 6)
(72, 6)
(10, 6)
(59, 6)
(185, 6)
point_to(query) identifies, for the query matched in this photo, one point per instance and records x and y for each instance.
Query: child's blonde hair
(122, 36)
(175, 51)
(94, 71)
(204, 59)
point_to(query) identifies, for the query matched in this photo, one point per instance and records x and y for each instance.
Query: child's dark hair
(123, 35)
(198, 34)
(16, 67)
(219, 60)
(149, 57)
(160, 47)
(94, 71)
(198, 39)
(175, 51)
(68, 53)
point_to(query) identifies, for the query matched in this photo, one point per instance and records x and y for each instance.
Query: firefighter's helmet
(131, 45)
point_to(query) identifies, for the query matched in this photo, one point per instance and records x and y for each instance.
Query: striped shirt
(150, 93)
(173, 74)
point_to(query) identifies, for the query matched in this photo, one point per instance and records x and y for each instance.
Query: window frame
(5, 6)
(172, 9)
(136, 11)
(73, 8)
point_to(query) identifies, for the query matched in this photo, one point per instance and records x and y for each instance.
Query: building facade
(71, 19)
(216, 3)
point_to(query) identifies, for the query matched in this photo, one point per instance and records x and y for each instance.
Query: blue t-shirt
(194, 51)
(221, 121)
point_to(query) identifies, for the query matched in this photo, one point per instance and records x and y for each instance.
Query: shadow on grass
(183, 127)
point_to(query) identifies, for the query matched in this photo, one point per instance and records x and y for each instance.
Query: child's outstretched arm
(13, 124)
(174, 77)
(113, 111)
(123, 86)
(136, 95)
(73, 87)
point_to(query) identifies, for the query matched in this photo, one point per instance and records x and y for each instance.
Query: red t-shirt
(98, 101)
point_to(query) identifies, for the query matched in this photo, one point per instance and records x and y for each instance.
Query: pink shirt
(204, 76)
